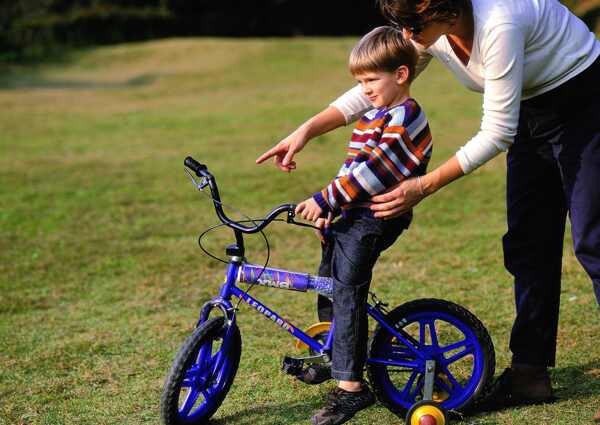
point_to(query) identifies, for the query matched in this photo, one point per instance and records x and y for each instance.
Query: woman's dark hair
(413, 14)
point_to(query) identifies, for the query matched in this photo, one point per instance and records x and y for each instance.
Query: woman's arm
(345, 109)
(283, 152)
(502, 53)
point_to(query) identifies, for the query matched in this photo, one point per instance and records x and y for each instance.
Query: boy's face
(384, 88)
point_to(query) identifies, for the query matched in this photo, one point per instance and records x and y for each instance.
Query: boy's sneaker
(315, 374)
(342, 405)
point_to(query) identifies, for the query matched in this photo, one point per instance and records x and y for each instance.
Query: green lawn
(101, 277)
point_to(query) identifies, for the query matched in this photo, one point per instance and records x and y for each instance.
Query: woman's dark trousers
(553, 170)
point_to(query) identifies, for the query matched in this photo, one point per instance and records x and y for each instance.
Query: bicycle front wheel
(440, 331)
(202, 374)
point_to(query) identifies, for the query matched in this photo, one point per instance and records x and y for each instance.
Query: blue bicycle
(425, 357)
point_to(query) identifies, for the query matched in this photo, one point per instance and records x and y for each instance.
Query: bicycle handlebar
(202, 171)
(196, 167)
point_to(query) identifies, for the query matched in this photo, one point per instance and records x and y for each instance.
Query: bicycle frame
(239, 271)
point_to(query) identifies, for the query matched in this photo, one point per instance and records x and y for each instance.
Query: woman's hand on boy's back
(398, 199)
(410, 192)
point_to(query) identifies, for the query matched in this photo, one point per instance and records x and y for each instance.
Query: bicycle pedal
(292, 366)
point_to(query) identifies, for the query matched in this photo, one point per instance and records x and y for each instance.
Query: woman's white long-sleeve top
(521, 49)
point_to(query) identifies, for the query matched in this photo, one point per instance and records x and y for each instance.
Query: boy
(390, 143)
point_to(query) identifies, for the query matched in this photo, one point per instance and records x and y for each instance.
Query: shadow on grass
(577, 382)
(32, 80)
(26, 73)
(570, 384)
(298, 412)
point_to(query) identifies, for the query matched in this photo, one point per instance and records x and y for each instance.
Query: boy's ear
(402, 74)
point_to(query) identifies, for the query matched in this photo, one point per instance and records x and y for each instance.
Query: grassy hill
(101, 277)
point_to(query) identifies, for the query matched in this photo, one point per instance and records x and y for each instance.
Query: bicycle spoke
(409, 384)
(454, 346)
(432, 333)
(468, 350)
(190, 401)
(394, 362)
(452, 379)
(216, 362)
(422, 337)
(418, 388)
(204, 354)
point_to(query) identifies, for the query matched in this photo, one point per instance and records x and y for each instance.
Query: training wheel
(426, 413)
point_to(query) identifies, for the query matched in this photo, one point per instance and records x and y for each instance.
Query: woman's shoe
(531, 384)
(520, 385)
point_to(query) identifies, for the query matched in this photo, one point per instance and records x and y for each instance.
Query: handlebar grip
(195, 166)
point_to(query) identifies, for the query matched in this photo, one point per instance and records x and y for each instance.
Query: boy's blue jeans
(349, 254)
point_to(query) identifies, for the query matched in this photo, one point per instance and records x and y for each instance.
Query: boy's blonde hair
(383, 49)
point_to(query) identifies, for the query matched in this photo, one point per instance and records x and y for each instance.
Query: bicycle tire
(191, 370)
(415, 317)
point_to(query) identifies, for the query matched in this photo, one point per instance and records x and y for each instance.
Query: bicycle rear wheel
(441, 331)
(202, 374)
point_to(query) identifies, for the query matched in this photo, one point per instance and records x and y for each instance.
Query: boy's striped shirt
(387, 146)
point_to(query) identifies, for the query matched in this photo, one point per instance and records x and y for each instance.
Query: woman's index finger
(268, 154)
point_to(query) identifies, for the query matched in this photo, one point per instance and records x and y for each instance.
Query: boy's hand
(309, 210)
(323, 224)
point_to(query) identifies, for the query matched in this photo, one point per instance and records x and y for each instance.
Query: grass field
(101, 277)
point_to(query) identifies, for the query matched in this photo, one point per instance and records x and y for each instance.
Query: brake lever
(290, 216)
(203, 183)
(291, 220)
(200, 186)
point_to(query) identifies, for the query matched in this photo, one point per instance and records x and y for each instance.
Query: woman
(538, 69)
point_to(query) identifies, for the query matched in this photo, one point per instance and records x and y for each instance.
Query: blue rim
(412, 389)
(205, 379)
